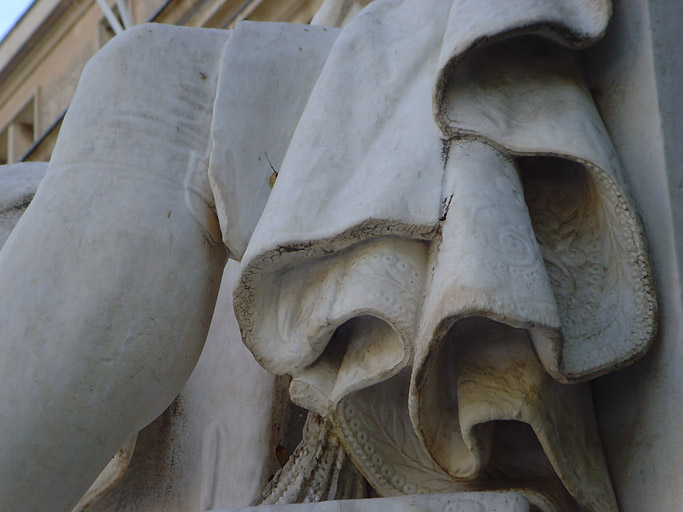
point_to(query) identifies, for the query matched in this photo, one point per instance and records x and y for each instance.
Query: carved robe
(446, 258)
(447, 255)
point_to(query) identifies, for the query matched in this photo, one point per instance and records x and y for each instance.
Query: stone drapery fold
(447, 187)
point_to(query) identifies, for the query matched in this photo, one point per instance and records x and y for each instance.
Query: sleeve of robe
(448, 231)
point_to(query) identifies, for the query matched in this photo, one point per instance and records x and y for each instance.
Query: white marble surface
(470, 502)
(337, 13)
(215, 446)
(636, 79)
(18, 185)
(520, 219)
(109, 282)
(382, 251)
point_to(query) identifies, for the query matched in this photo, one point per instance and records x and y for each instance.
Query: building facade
(42, 57)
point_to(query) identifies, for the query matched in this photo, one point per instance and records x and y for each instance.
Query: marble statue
(446, 259)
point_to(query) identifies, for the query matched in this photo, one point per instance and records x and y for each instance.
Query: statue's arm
(108, 281)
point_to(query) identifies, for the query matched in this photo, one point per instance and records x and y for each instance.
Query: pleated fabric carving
(448, 255)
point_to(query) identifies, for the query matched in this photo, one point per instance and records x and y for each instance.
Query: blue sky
(10, 12)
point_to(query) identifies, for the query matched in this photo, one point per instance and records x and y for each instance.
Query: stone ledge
(460, 502)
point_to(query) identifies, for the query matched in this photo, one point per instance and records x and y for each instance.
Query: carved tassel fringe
(318, 470)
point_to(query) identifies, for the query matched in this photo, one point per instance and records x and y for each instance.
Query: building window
(18, 136)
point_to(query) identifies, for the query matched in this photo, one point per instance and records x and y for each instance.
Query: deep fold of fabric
(440, 163)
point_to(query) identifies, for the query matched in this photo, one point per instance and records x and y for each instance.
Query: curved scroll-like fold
(488, 262)
(528, 98)
(345, 322)
(485, 372)
(473, 24)
(379, 436)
